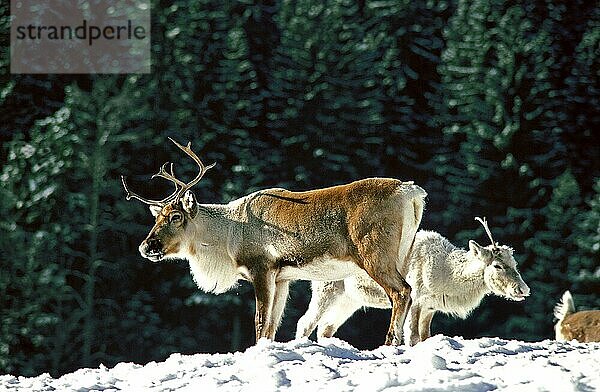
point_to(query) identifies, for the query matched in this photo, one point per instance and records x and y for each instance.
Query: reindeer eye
(498, 266)
(175, 217)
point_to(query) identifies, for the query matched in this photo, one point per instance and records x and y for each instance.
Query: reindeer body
(583, 326)
(302, 235)
(442, 277)
(445, 277)
(273, 236)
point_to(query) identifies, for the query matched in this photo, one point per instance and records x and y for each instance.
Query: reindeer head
(500, 273)
(172, 213)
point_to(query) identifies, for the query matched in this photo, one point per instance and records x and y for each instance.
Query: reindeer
(274, 236)
(583, 326)
(443, 278)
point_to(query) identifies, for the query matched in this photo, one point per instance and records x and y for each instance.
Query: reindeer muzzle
(520, 293)
(152, 250)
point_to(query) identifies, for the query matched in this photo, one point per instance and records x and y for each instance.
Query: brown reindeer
(274, 236)
(583, 326)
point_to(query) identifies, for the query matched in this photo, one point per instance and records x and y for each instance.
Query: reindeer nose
(154, 245)
(522, 291)
(150, 246)
(143, 248)
(518, 291)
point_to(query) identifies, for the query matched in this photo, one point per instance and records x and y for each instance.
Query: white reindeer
(583, 326)
(442, 278)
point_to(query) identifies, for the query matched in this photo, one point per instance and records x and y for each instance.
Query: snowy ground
(438, 364)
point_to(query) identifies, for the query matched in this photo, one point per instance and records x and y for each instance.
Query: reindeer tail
(565, 307)
(414, 197)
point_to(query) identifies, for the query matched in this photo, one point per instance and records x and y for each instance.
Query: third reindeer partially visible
(583, 326)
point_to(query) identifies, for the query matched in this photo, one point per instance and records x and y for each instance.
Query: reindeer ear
(155, 210)
(480, 252)
(189, 204)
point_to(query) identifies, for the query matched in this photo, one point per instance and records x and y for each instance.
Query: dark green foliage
(505, 105)
(584, 266)
(582, 96)
(554, 248)
(491, 105)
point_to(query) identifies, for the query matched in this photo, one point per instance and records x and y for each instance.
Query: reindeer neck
(208, 244)
(210, 225)
(467, 270)
(216, 211)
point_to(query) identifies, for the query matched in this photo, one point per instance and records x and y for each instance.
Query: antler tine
(203, 169)
(131, 195)
(487, 229)
(162, 173)
(168, 176)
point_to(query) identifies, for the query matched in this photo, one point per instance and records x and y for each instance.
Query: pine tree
(33, 283)
(584, 268)
(324, 98)
(557, 255)
(581, 113)
(65, 204)
(407, 37)
(501, 112)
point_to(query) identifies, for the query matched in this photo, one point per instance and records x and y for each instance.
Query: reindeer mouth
(512, 295)
(518, 296)
(158, 256)
(151, 250)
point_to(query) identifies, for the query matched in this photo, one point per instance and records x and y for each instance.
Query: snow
(440, 363)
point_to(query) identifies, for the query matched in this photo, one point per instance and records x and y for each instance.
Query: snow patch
(440, 363)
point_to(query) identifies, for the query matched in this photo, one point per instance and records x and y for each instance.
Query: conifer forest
(492, 106)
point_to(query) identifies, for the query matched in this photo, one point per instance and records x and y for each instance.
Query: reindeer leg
(379, 251)
(415, 314)
(399, 292)
(264, 291)
(324, 295)
(401, 302)
(425, 323)
(342, 309)
(282, 289)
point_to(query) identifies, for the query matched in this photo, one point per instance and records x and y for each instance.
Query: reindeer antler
(487, 229)
(133, 195)
(180, 186)
(203, 169)
(168, 175)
